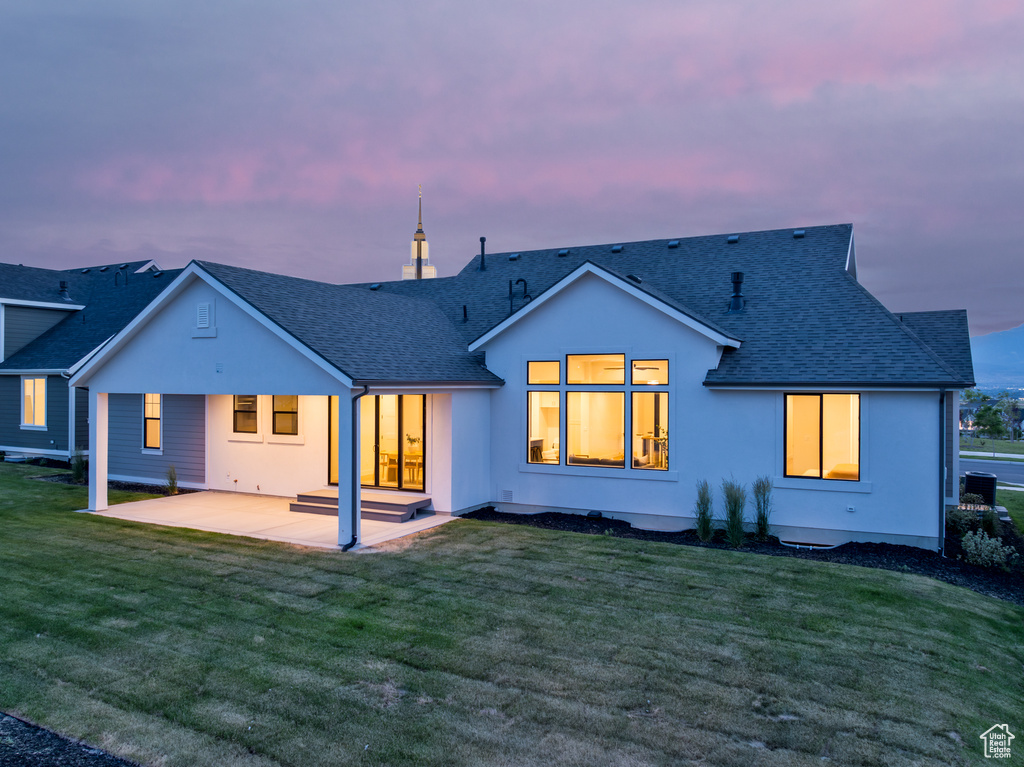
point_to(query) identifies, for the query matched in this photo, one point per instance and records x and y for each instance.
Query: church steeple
(419, 267)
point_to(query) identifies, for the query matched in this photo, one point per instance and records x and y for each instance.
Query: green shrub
(705, 524)
(735, 502)
(762, 489)
(79, 468)
(984, 550)
(990, 523)
(960, 520)
(972, 499)
(172, 480)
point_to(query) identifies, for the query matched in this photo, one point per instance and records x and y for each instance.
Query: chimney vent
(483, 263)
(736, 302)
(63, 291)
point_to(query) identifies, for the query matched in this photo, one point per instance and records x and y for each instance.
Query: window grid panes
(151, 422)
(823, 436)
(286, 414)
(595, 368)
(650, 430)
(650, 372)
(33, 412)
(545, 423)
(544, 372)
(245, 414)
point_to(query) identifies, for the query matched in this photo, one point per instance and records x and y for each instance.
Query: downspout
(356, 478)
(71, 417)
(942, 472)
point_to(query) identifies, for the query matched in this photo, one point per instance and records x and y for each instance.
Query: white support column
(98, 425)
(348, 490)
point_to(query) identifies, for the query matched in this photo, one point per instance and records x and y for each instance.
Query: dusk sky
(291, 136)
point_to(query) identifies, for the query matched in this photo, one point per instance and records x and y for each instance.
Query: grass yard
(481, 643)
(1014, 502)
(992, 445)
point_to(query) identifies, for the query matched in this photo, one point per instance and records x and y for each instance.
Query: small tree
(1010, 412)
(988, 421)
(79, 467)
(172, 480)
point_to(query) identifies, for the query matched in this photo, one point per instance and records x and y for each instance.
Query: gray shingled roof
(369, 336)
(30, 283)
(108, 308)
(806, 320)
(947, 333)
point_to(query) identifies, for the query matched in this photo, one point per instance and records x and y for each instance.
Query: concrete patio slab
(261, 516)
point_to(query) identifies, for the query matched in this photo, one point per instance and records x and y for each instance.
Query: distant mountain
(999, 359)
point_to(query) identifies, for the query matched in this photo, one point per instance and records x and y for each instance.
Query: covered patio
(262, 516)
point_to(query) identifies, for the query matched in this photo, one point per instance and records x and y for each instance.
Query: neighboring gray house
(51, 321)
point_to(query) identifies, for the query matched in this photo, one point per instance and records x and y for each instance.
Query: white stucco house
(606, 378)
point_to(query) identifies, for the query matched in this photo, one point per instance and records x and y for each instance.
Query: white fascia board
(190, 274)
(274, 328)
(851, 257)
(813, 389)
(589, 268)
(78, 365)
(41, 304)
(147, 266)
(31, 372)
(413, 388)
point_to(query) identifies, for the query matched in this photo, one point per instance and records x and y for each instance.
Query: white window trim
(818, 484)
(241, 436)
(283, 439)
(152, 450)
(21, 404)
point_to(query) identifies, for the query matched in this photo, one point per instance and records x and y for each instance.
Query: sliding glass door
(392, 441)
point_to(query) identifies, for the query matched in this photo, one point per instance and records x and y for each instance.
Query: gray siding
(82, 419)
(13, 435)
(184, 438)
(23, 324)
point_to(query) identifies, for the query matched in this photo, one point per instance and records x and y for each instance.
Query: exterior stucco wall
(265, 462)
(713, 434)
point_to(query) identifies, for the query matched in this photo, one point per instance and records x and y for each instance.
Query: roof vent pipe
(483, 263)
(736, 302)
(63, 292)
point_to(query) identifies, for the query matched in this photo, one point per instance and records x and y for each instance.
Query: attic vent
(673, 243)
(104, 268)
(634, 278)
(616, 248)
(563, 252)
(513, 257)
(123, 266)
(202, 315)
(86, 271)
(798, 234)
(158, 274)
(733, 239)
(375, 286)
(506, 496)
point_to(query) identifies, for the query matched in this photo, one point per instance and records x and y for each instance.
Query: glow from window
(544, 428)
(650, 430)
(596, 434)
(286, 414)
(245, 414)
(33, 411)
(596, 368)
(823, 436)
(151, 421)
(544, 373)
(650, 372)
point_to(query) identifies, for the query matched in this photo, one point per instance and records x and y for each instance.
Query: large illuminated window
(595, 425)
(245, 414)
(151, 422)
(33, 402)
(545, 427)
(823, 436)
(650, 430)
(286, 414)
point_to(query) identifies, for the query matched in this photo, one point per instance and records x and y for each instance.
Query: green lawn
(993, 446)
(1014, 503)
(481, 643)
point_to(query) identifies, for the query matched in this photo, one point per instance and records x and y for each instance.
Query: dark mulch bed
(26, 745)
(908, 559)
(114, 484)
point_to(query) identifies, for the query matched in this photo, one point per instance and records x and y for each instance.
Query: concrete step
(385, 507)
